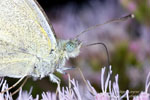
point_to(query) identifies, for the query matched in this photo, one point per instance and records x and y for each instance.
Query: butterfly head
(72, 47)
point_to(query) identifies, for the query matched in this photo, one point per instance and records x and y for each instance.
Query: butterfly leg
(63, 69)
(20, 86)
(54, 78)
(13, 85)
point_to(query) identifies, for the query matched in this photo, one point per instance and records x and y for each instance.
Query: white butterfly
(28, 46)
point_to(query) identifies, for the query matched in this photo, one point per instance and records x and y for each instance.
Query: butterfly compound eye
(70, 46)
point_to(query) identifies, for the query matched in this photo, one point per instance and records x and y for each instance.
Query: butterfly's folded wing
(13, 61)
(24, 36)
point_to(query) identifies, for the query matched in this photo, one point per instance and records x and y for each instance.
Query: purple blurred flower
(130, 4)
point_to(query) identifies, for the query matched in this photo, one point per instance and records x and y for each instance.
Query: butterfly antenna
(110, 21)
(108, 60)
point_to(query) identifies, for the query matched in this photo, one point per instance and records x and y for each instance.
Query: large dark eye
(70, 46)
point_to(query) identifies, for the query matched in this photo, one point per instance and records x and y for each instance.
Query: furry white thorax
(56, 60)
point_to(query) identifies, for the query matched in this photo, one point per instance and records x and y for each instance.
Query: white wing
(24, 36)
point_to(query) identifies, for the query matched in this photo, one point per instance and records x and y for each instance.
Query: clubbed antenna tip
(132, 16)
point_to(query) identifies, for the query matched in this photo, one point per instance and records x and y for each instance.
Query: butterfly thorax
(57, 58)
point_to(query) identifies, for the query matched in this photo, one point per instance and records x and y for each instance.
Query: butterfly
(28, 46)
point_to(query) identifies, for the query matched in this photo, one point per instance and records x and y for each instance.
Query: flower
(104, 95)
(4, 85)
(74, 91)
(115, 93)
(48, 96)
(144, 95)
